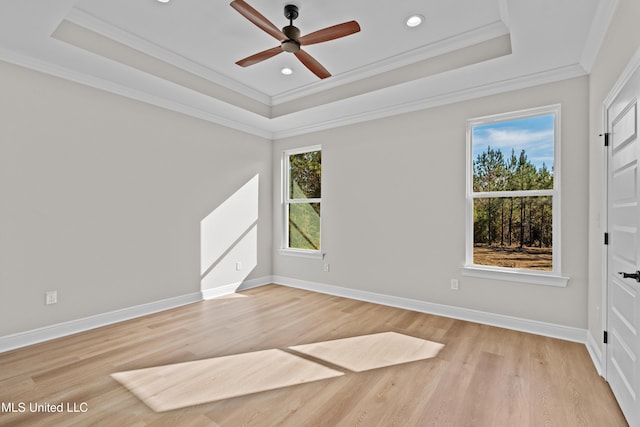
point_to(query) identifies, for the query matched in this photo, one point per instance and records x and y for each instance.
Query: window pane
(304, 226)
(305, 170)
(514, 232)
(514, 154)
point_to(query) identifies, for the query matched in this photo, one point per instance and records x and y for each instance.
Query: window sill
(301, 253)
(521, 276)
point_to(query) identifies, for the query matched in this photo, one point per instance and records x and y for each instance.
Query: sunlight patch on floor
(164, 388)
(231, 296)
(371, 351)
(180, 385)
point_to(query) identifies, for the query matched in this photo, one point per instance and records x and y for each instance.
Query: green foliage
(493, 172)
(305, 172)
(305, 182)
(304, 226)
(509, 221)
(490, 171)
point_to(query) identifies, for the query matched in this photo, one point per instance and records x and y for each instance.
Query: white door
(623, 255)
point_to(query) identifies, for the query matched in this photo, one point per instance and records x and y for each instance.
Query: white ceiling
(181, 55)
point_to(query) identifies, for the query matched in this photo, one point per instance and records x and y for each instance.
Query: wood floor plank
(483, 376)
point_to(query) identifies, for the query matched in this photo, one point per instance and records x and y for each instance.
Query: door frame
(632, 66)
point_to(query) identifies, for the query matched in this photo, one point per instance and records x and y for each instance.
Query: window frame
(550, 278)
(287, 201)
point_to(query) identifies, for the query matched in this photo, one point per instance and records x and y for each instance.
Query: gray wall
(393, 214)
(620, 44)
(102, 199)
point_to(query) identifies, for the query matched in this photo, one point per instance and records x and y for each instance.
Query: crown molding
(496, 87)
(86, 20)
(598, 31)
(215, 111)
(459, 41)
(504, 11)
(195, 105)
(632, 66)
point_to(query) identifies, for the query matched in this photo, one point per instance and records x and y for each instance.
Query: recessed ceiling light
(414, 20)
(286, 71)
(163, 1)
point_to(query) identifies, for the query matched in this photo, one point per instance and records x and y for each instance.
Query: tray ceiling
(181, 55)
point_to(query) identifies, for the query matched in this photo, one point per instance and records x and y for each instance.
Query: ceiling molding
(218, 112)
(476, 54)
(362, 91)
(504, 11)
(116, 55)
(494, 88)
(632, 67)
(233, 118)
(86, 20)
(599, 26)
(469, 38)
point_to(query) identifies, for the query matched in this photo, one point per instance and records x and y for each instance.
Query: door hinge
(606, 238)
(606, 138)
(605, 337)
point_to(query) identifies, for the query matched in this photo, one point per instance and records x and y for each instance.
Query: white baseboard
(524, 325)
(235, 287)
(219, 291)
(34, 336)
(47, 333)
(255, 283)
(594, 349)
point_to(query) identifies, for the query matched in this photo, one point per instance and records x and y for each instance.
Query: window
(513, 196)
(302, 200)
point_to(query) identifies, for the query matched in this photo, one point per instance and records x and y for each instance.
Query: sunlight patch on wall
(229, 238)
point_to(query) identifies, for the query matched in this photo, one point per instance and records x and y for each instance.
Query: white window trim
(301, 253)
(551, 278)
(286, 201)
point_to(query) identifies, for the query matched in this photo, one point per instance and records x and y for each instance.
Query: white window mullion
(494, 138)
(309, 236)
(508, 194)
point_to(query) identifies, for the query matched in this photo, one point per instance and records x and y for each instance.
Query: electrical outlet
(238, 266)
(325, 267)
(51, 297)
(455, 285)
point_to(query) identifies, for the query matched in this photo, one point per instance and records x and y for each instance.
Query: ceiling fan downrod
(293, 33)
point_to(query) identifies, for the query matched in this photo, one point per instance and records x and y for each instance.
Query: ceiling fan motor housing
(291, 11)
(292, 33)
(290, 46)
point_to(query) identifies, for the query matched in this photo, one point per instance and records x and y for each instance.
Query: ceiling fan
(289, 37)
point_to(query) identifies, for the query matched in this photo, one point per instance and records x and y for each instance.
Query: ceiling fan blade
(314, 66)
(260, 21)
(260, 56)
(330, 33)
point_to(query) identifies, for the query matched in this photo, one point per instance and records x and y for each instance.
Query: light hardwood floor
(483, 376)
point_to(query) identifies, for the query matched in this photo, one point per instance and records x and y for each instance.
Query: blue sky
(533, 134)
